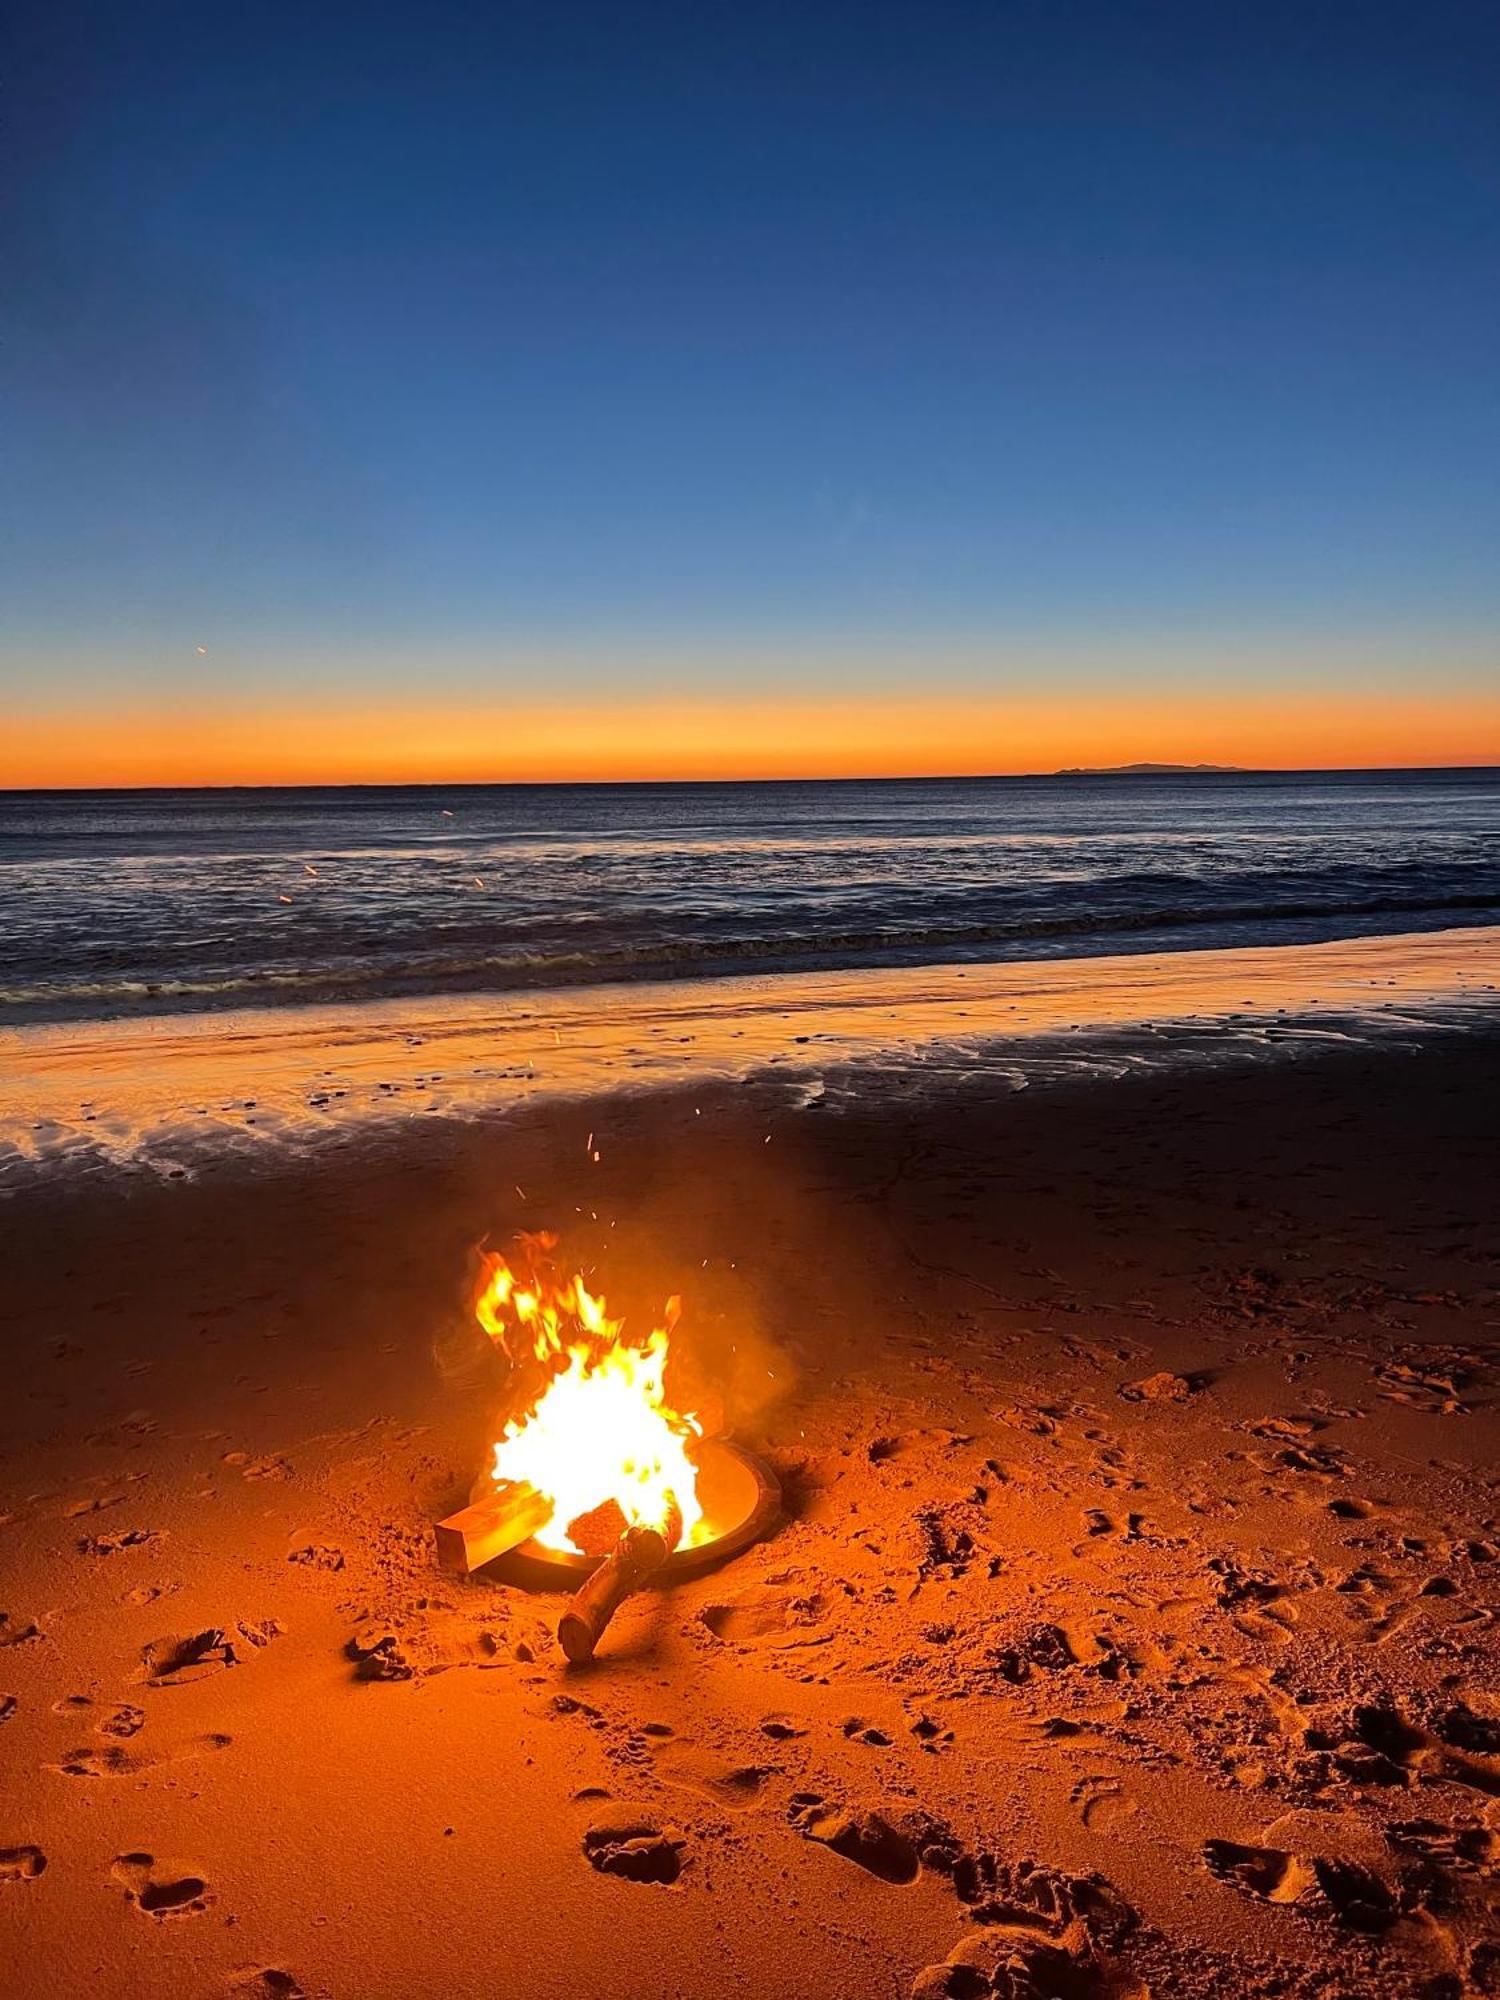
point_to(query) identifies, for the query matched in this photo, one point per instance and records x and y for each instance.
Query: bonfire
(599, 1470)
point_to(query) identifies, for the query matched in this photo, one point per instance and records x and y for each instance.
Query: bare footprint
(21, 1864)
(1268, 1873)
(628, 1844)
(124, 1721)
(109, 1762)
(161, 1889)
(111, 1545)
(1314, 1885)
(1100, 1800)
(768, 1616)
(179, 1657)
(1467, 1847)
(781, 1727)
(733, 1785)
(1031, 1892)
(1014, 1962)
(866, 1838)
(112, 1761)
(264, 1982)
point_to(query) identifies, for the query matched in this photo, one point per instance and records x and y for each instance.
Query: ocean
(119, 903)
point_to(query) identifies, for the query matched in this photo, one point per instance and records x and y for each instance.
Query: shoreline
(170, 1093)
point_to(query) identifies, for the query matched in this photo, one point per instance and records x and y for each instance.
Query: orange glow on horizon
(608, 737)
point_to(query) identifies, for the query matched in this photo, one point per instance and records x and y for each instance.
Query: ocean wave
(197, 902)
(792, 949)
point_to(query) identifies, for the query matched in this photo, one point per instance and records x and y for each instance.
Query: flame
(602, 1427)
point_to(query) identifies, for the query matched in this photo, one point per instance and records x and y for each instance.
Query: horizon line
(1064, 772)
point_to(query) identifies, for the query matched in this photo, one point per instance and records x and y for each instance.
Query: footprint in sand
(148, 1593)
(1269, 1873)
(1044, 1933)
(1099, 1801)
(264, 1982)
(859, 1730)
(1311, 1884)
(780, 1727)
(733, 1785)
(1031, 1892)
(161, 1889)
(273, 1466)
(768, 1616)
(124, 1721)
(1013, 1962)
(866, 1838)
(1378, 1745)
(179, 1657)
(21, 1864)
(1163, 1387)
(111, 1545)
(107, 1763)
(1467, 1848)
(628, 1844)
(111, 1761)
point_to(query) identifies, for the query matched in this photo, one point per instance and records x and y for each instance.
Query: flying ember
(601, 1429)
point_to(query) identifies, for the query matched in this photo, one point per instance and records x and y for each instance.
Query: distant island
(1139, 770)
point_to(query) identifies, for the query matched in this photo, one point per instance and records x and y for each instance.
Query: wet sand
(164, 1093)
(1132, 1629)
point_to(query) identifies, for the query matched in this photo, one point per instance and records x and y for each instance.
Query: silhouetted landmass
(1139, 770)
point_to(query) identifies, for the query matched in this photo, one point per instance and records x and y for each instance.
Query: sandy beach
(1130, 1629)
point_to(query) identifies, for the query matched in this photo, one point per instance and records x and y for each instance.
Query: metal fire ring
(735, 1488)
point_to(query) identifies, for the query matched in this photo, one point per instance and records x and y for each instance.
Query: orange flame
(602, 1427)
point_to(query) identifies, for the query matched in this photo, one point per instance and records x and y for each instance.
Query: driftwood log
(504, 1519)
(638, 1554)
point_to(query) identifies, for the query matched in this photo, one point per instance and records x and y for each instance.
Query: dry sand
(1132, 1629)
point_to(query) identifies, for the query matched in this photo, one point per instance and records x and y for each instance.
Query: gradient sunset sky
(555, 390)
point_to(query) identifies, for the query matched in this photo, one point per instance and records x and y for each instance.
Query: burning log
(636, 1556)
(475, 1535)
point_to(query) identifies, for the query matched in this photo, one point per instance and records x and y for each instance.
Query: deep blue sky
(342, 338)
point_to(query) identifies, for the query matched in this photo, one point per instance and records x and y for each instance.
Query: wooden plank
(475, 1535)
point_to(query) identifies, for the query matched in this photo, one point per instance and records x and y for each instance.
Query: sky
(560, 390)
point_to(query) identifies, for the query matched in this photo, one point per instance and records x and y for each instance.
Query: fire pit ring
(739, 1493)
